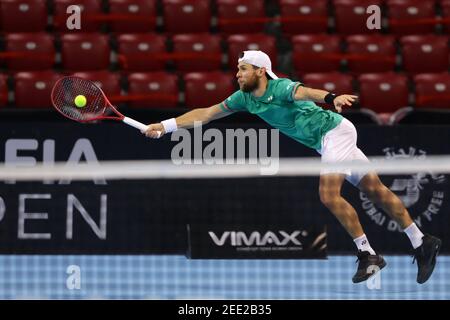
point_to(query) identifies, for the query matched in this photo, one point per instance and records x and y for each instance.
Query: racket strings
(64, 98)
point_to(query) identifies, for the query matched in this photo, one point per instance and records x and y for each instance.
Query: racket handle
(138, 125)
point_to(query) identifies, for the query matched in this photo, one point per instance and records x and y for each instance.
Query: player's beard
(253, 84)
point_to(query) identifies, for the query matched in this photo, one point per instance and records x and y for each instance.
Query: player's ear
(261, 71)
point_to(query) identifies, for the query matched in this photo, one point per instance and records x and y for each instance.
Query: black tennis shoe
(368, 266)
(426, 257)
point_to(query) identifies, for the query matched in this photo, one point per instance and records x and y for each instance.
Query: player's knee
(329, 197)
(371, 191)
(376, 191)
(372, 186)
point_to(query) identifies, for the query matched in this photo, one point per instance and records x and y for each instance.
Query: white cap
(259, 59)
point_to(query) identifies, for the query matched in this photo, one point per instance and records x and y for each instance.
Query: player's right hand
(154, 131)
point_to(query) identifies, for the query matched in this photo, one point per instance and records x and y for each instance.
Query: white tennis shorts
(339, 145)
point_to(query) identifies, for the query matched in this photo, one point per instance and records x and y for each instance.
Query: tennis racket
(97, 104)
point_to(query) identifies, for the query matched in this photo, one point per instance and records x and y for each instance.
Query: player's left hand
(343, 100)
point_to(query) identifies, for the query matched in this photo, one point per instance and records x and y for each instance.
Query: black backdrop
(150, 216)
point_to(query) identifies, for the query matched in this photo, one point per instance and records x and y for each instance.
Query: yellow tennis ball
(80, 101)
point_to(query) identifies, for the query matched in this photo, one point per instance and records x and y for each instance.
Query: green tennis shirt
(303, 121)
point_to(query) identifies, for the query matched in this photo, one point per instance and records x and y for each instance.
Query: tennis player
(290, 107)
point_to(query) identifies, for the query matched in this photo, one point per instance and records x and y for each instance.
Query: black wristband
(329, 98)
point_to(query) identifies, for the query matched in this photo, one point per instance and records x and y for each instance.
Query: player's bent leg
(426, 253)
(379, 194)
(330, 195)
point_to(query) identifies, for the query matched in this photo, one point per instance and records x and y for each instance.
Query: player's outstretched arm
(321, 96)
(187, 120)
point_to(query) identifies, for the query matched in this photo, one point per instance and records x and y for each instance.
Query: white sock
(363, 244)
(415, 235)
